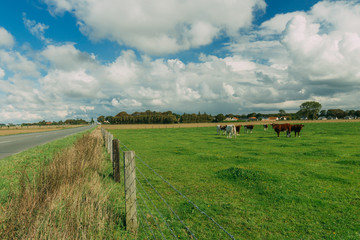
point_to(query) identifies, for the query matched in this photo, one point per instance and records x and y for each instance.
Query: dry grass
(32, 129)
(65, 200)
(194, 125)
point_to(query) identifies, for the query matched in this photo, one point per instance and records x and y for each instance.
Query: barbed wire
(187, 228)
(147, 223)
(181, 194)
(156, 208)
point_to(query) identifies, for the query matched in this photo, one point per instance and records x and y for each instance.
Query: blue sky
(63, 59)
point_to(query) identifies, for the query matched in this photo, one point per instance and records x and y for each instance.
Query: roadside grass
(256, 186)
(61, 190)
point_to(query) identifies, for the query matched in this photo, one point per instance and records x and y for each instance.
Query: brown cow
(248, 127)
(297, 128)
(281, 128)
(238, 127)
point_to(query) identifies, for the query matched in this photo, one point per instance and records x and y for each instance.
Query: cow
(281, 128)
(248, 127)
(230, 131)
(220, 128)
(238, 127)
(265, 127)
(297, 128)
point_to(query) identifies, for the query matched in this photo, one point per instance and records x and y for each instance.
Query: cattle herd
(233, 130)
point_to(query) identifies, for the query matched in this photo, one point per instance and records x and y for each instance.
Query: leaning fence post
(116, 160)
(130, 191)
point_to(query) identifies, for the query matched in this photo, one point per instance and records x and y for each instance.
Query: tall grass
(66, 199)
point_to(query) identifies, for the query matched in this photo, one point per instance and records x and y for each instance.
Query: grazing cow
(230, 131)
(238, 127)
(265, 127)
(248, 127)
(281, 128)
(297, 128)
(220, 128)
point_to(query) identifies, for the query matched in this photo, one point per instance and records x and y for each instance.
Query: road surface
(13, 144)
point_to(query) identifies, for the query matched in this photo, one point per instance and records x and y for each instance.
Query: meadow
(256, 186)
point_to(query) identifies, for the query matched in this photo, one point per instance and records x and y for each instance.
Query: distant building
(231, 119)
(271, 119)
(252, 119)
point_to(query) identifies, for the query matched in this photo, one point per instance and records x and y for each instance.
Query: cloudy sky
(63, 59)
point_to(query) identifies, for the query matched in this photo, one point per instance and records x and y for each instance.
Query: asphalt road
(13, 144)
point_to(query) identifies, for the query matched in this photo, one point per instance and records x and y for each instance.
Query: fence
(154, 207)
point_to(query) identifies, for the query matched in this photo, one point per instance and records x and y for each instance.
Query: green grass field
(256, 186)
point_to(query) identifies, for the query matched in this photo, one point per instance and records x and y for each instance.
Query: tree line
(66, 122)
(308, 110)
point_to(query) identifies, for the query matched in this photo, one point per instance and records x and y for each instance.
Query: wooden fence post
(116, 160)
(130, 191)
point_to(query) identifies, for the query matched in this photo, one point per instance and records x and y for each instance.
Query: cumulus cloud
(6, 39)
(18, 64)
(71, 84)
(159, 27)
(323, 51)
(289, 59)
(67, 57)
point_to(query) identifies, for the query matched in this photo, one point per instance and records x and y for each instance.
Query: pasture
(256, 186)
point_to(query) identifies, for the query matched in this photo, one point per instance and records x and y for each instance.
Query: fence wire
(168, 205)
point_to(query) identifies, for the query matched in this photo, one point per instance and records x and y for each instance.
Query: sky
(68, 59)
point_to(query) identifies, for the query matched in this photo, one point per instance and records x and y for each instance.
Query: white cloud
(2, 73)
(6, 39)
(159, 27)
(18, 64)
(36, 29)
(87, 108)
(72, 84)
(289, 59)
(67, 57)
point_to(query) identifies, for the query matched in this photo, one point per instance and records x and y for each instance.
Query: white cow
(230, 131)
(220, 128)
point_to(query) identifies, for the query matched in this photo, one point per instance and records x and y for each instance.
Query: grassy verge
(61, 190)
(257, 186)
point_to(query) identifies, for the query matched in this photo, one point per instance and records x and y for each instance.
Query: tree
(339, 113)
(101, 119)
(282, 112)
(220, 117)
(310, 109)
(322, 113)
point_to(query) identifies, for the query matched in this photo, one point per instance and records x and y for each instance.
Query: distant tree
(109, 119)
(309, 109)
(101, 119)
(339, 113)
(357, 113)
(351, 113)
(219, 118)
(259, 116)
(322, 113)
(251, 115)
(282, 112)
